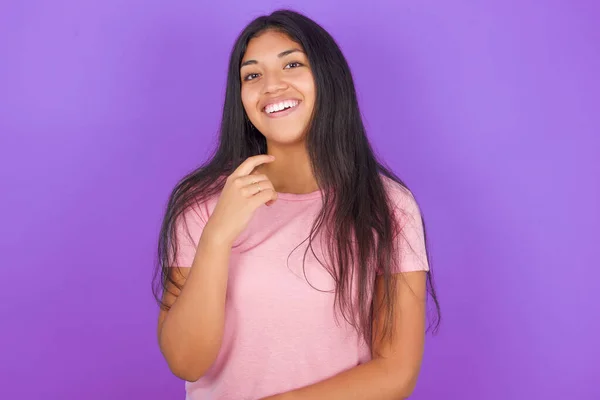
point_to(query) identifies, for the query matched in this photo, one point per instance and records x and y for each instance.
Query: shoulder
(409, 227)
(199, 210)
(401, 198)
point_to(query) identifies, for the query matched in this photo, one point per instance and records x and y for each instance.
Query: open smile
(281, 109)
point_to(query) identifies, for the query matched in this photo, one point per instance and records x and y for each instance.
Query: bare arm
(392, 373)
(190, 333)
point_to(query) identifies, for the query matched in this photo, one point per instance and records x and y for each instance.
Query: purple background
(489, 111)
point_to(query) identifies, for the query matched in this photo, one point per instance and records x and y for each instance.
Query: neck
(291, 171)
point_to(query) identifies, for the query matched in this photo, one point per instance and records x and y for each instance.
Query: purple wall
(489, 111)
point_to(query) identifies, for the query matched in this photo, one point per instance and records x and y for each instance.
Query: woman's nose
(273, 83)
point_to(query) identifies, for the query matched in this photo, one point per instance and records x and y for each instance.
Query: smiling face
(278, 90)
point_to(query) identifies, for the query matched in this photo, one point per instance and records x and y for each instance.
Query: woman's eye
(294, 64)
(249, 77)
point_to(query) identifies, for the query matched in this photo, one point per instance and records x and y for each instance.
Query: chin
(285, 137)
(285, 140)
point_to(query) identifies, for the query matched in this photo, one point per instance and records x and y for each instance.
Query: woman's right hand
(243, 193)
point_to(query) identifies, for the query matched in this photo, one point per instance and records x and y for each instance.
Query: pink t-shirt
(280, 332)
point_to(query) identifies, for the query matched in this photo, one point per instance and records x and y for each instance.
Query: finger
(250, 163)
(251, 179)
(263, 197)
(257, 187)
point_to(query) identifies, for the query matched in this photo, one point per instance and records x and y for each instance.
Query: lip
(283, 113)
(278, 100)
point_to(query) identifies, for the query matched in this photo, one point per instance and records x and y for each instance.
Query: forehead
(268, 45)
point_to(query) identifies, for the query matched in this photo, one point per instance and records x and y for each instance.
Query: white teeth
(271, 108)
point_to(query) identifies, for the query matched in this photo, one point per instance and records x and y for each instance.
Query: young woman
(293, 264)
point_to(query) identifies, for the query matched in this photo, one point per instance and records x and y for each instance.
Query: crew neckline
(299, 196)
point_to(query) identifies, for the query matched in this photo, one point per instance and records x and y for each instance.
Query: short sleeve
(410, 238)
(188, 230)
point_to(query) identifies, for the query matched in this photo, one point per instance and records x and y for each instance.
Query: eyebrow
(280, 55)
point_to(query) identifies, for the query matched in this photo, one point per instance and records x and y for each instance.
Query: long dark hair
(355, 203)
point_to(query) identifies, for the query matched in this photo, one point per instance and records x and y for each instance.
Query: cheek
(308, 89)
(249, 101)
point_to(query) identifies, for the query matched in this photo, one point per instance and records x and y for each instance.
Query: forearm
(191, 333)
(375, 380)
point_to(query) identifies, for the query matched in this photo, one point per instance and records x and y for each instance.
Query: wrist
(214, 241)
